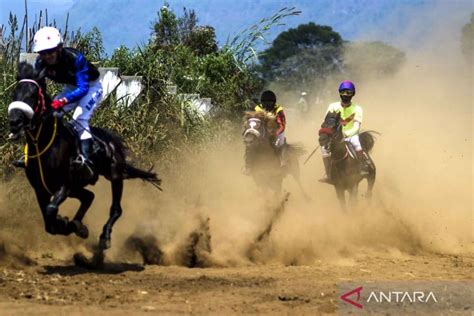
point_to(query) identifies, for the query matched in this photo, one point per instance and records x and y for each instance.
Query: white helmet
(46, 38)
(303, 93)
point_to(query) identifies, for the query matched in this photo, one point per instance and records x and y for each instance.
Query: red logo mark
(345, 297)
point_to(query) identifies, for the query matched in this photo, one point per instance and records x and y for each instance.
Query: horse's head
(28, 100)
(258, 125)
(330, 129)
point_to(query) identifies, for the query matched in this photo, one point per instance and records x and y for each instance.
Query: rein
(41, 108)
(39, 152)
(330, 132)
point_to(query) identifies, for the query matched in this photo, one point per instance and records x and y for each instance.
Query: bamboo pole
(27, 39)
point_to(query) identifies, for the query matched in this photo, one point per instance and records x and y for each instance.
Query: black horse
(345, 167)
(264, 161)
(50, 150)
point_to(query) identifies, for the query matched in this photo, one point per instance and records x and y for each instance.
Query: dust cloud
(422, 199)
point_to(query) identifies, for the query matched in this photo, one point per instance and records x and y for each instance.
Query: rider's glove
(59, 103)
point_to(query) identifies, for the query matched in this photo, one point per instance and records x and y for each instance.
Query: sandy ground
(58, 288)
(419, 225)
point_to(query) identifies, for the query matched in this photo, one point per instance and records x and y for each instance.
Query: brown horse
(345, 167)
(265, 166)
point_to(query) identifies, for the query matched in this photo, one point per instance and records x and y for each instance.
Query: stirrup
(79, 160)
(85, 165)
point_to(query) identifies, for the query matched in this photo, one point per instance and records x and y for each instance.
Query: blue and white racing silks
(72, 69)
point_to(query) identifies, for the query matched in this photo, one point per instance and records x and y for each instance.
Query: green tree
(187, 23)
(170, 31)
(371, 59)
(303, 38)
(467, 40)
(202, 40)
(307, 69)
(165, 30)
(90, 44)
(302, 57)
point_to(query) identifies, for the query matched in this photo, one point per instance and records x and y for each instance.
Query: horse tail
(296, 150)
(120, 152)
(131, 172)
(367, 140)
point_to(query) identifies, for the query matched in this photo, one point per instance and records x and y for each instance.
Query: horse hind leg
(115, 213)
(370, 177)
(370, 184)
(353, 195)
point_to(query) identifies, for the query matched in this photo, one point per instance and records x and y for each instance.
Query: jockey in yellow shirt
(351, 119)
(278, 140)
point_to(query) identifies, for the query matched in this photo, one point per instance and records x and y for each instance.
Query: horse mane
(331, 118)
(26, 71)
(261, 115)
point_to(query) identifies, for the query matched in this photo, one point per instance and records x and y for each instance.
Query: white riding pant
(354, 140)
(83, 107)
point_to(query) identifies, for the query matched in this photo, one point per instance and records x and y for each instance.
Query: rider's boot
(84, 159)
(364, 163)
(327, 167)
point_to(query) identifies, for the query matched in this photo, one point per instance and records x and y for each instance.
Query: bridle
(255, 127)
(333, 132)
(41, 104)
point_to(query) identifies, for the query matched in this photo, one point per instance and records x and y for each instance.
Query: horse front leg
(85, 197)
(354, 191)
(341, 197)
(56, 224)
(115, 213)
(43, 201)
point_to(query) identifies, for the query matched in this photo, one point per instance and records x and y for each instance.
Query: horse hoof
(80, 260)
(79, 229)
(104, 243)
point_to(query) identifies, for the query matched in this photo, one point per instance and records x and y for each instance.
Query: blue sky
(403, 23)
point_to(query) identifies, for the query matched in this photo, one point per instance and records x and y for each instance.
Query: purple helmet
(347, 85)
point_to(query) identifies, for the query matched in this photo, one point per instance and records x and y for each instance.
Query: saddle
(352, 153)
(351, 150)
(79, 166)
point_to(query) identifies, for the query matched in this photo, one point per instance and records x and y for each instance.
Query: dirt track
(418, 227)
(58, 288)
